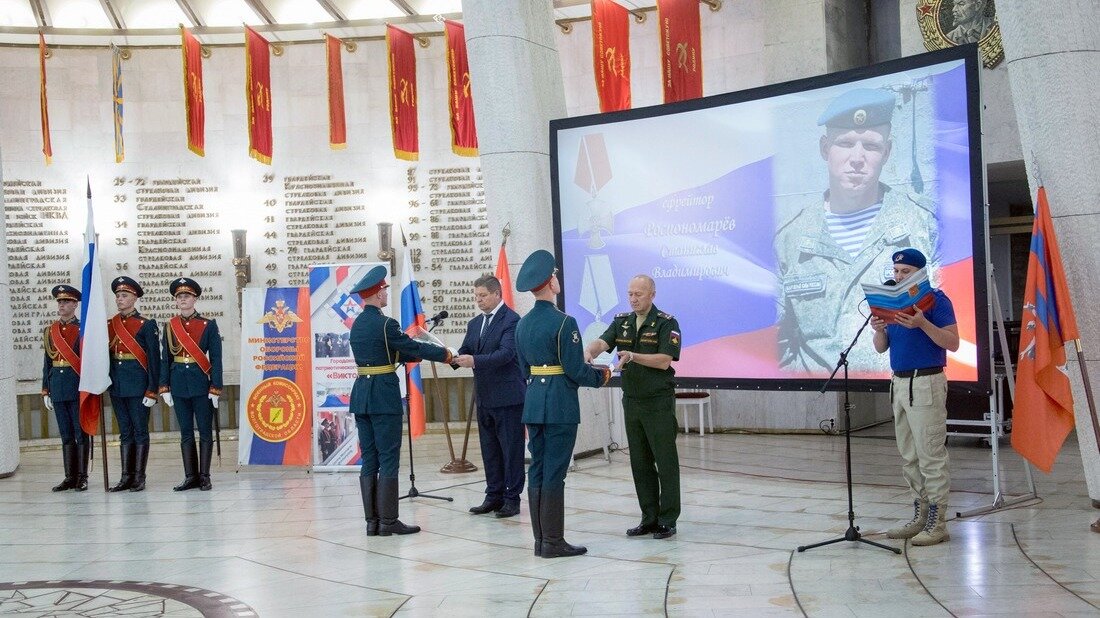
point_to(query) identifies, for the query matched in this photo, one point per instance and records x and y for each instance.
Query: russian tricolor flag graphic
(412, 321)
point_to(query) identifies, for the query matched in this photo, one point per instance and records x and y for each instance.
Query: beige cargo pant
(920, 425)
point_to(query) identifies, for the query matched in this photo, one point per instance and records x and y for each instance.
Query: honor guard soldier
(135, 375)
(191, 380)
(60, 387)
(551, 357)
(378, 344)
(648, 340)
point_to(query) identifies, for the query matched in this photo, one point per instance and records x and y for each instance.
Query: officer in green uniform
(551, 357)
(827, 244)
(378, 345)
(135, 377)
(60, 386)
(648, 341)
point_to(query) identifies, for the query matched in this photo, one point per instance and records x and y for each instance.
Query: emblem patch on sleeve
(576, 337)
(674, 337)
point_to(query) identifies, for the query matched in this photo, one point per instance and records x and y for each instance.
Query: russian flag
(94, 363)
(413, 322)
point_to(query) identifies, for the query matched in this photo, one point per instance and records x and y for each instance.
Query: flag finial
(89, 187)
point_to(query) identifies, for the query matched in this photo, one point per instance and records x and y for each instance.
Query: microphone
(439, 317)
(889, 282)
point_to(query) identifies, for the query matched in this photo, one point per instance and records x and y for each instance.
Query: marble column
(1053, 57)
(9, 420)
(516, 77)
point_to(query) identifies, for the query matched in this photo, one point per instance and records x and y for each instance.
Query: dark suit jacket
(498, 381)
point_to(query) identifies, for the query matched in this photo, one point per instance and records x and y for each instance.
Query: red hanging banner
(461, 101)
(402, 61)
(192, 93)
(611, 54)
(257, 89)
(337, 128)
(681, 49)
(47, 148)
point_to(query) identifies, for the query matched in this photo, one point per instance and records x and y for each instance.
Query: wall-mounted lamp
(242, 262)
(385, 245)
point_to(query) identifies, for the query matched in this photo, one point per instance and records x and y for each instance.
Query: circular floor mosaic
(100, 598)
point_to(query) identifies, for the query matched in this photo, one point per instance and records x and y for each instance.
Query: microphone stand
(413, 491)
(852, 533)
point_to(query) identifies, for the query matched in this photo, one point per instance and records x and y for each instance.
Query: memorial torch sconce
(242, 262)
(385, 245)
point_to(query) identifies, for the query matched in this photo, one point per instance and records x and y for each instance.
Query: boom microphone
(887, 282)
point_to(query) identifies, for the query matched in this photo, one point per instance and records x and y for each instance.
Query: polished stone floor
(279, 542)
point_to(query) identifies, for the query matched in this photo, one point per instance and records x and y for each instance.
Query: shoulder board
(665, 316)
(623, 315)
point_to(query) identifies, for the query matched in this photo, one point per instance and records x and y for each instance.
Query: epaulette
(665, 316)
(624, 314)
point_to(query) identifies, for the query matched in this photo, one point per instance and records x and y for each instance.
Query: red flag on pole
(403, 123)
(504, 277)
(611, 54)
(681, 49)
(257, 67)
(1042, 415)
(192, 93)
(47, 148)
(461, 100)
(337, 129)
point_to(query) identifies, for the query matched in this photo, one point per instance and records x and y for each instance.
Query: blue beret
(536, 271)
(185, 284)
(910, 257)
(65, 292)
(859, 108)
(371, 282)
(126, 284)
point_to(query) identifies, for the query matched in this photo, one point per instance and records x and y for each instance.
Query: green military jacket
(660, 334)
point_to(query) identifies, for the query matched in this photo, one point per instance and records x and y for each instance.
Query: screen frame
(979, 213)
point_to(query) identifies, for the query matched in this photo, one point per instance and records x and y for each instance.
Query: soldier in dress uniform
(60, 387)
(135, 376)
(551, 357)
(378, 345)
(832, 242)
(648, 340)
(191, 380)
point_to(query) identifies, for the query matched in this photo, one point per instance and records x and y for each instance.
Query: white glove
(453, 352)
(46, 401)
(214, 400)
(149, 402)
(167, 397)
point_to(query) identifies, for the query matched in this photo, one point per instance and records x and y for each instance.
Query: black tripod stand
(852, 533)
(413, 491)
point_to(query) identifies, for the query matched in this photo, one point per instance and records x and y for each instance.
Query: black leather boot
(370, 512)
(206, 449)
(190, 467)
(141, 459)
(386, 503)
(552, 521)
(127, 458)
(83, 457)
(68, 459)
(534, 501)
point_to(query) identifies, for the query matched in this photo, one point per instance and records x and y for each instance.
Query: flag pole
(1088, 391)
(103, 443)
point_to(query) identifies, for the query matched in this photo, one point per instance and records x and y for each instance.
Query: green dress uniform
(551, 357)
(378, 345)
(649, 405)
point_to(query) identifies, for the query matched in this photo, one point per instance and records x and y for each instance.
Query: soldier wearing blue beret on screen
(845, 236)
(551, 357)
(918, 346)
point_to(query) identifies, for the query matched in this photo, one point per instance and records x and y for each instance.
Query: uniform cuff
(215, 391)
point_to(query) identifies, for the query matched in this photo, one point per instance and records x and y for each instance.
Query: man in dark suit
(490, 350)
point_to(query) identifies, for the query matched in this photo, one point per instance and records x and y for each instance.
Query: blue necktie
(485, 324)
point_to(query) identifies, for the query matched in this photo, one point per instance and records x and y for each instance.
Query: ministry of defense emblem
(280, 317)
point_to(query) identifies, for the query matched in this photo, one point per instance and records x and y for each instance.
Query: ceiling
(156, 22)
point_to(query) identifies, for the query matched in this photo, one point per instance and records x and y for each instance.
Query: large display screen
(758, 214)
